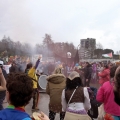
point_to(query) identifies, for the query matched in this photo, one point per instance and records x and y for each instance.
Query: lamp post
(68, 56)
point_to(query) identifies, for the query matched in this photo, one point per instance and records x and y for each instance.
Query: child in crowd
(19, 92)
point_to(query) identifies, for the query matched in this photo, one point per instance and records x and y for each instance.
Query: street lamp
(68, 56)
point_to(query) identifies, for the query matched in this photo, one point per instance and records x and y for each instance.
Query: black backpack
(93, 112)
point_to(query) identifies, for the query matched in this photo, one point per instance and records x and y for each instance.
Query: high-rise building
(87, 47)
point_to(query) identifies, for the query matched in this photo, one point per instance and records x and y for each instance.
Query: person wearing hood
(106, 96)
(54, 88)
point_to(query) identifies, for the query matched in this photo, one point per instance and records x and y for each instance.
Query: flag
(109, 55)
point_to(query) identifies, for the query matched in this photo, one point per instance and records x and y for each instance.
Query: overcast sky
(64, 20)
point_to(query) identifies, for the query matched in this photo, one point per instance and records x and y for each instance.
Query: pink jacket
(104, 76)
(105, 95)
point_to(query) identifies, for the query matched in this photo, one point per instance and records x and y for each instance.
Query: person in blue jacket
(19, 92)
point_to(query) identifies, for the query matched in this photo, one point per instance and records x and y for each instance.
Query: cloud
(28, 20)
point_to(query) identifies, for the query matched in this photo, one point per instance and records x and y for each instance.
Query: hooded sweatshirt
(106, 95)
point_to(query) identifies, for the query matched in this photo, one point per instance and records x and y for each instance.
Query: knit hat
(73, 75)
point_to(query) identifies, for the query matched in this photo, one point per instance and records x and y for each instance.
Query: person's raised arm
(37, 62)
(2, 81)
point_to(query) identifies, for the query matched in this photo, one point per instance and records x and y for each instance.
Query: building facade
(87, 47)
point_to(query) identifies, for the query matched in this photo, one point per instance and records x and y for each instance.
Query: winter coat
(88, 72)
(55, 86)
(32, 74)
(105, 95)
(104, 76)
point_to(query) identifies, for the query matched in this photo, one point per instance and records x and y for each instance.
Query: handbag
(93, 111)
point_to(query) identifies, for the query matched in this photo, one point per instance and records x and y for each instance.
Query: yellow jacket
(31, 73)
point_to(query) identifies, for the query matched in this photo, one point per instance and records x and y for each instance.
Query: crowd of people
(69, 89)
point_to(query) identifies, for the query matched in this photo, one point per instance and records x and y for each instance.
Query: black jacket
(88, 72)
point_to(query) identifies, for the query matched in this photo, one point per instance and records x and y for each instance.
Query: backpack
(93, 112)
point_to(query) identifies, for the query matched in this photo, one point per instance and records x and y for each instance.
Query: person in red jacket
(104, 75)
(106, 96)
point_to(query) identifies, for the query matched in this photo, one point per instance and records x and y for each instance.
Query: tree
(39, 48)
(47, 40)
(106, 51)
(99, 46)
(28, 49)
(62, 48)
(98, 52)
(8, 47)
(118, 52)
